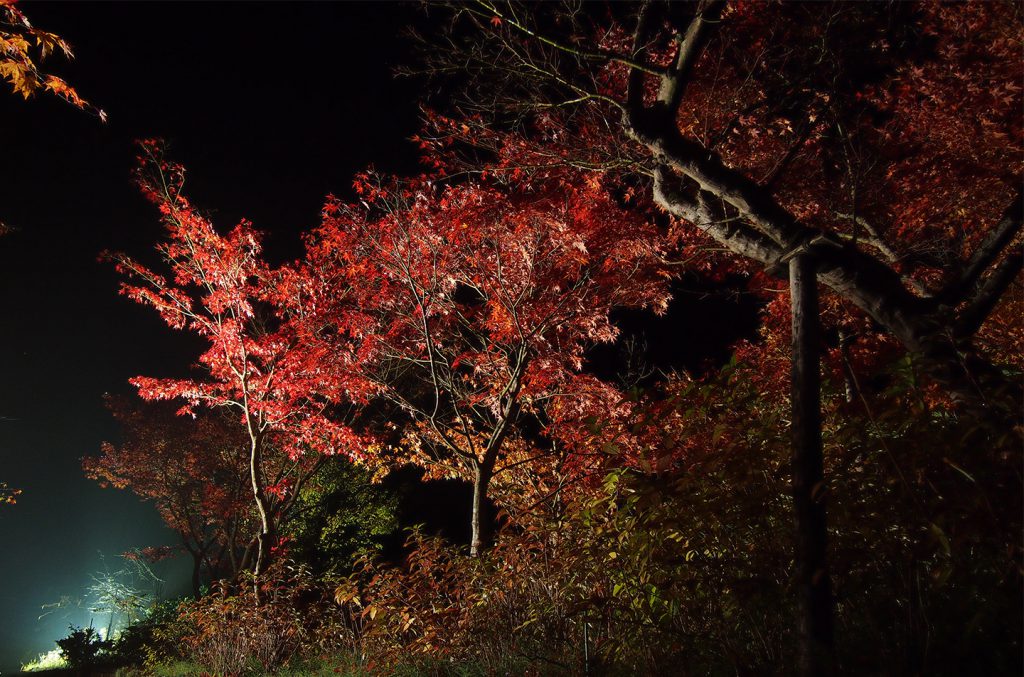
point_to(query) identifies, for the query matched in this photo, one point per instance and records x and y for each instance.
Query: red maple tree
(284, 390)
(875, 149)
(195, 473)
(474, 304)
(885, 140)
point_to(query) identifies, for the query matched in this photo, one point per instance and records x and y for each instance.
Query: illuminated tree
(829, 138)
(257, 363)
(126, 595)
(474, 304)
(882, 140)
(195, 472)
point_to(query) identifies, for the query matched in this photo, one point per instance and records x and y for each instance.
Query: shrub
(83, 647)
(236, 631)
(688, 569)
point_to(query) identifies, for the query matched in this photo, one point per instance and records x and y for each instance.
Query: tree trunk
(243, 564)
(809, 490)
(481, 480)
(231, 548)
(265, 539)
(197, 553)
(197, 563)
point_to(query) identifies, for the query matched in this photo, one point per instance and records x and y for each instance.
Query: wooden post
(809, 491)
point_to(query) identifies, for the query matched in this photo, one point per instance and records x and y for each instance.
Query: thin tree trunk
(481, 480)
(809, 490)
(213, 567)
(197, 554)
(197, 563)
(232, 548)
(243, 565)
(265, 539)
(849, 378)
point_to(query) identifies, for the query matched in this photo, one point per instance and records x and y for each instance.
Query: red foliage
(193, 470)
(894, 129)
(263, 360)
(473, 305)
(221, 289)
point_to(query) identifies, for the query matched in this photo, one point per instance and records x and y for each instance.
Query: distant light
(45, 661)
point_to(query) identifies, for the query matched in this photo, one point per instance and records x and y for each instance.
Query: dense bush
(151, 640)
(689, 569)
(83, 647)
(243, 629)
(677, 558)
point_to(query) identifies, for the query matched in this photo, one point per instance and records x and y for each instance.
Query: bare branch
(635, 86)
(510, 19)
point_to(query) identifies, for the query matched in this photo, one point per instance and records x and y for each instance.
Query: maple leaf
(19, 39)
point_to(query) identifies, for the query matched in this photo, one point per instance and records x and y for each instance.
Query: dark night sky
(270, 107)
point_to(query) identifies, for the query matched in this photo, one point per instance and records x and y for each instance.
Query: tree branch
(856, 275)
(508, 18)
(730, 233)
(989, 292)
(988, 251)
(691, 46)
(635, 85)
